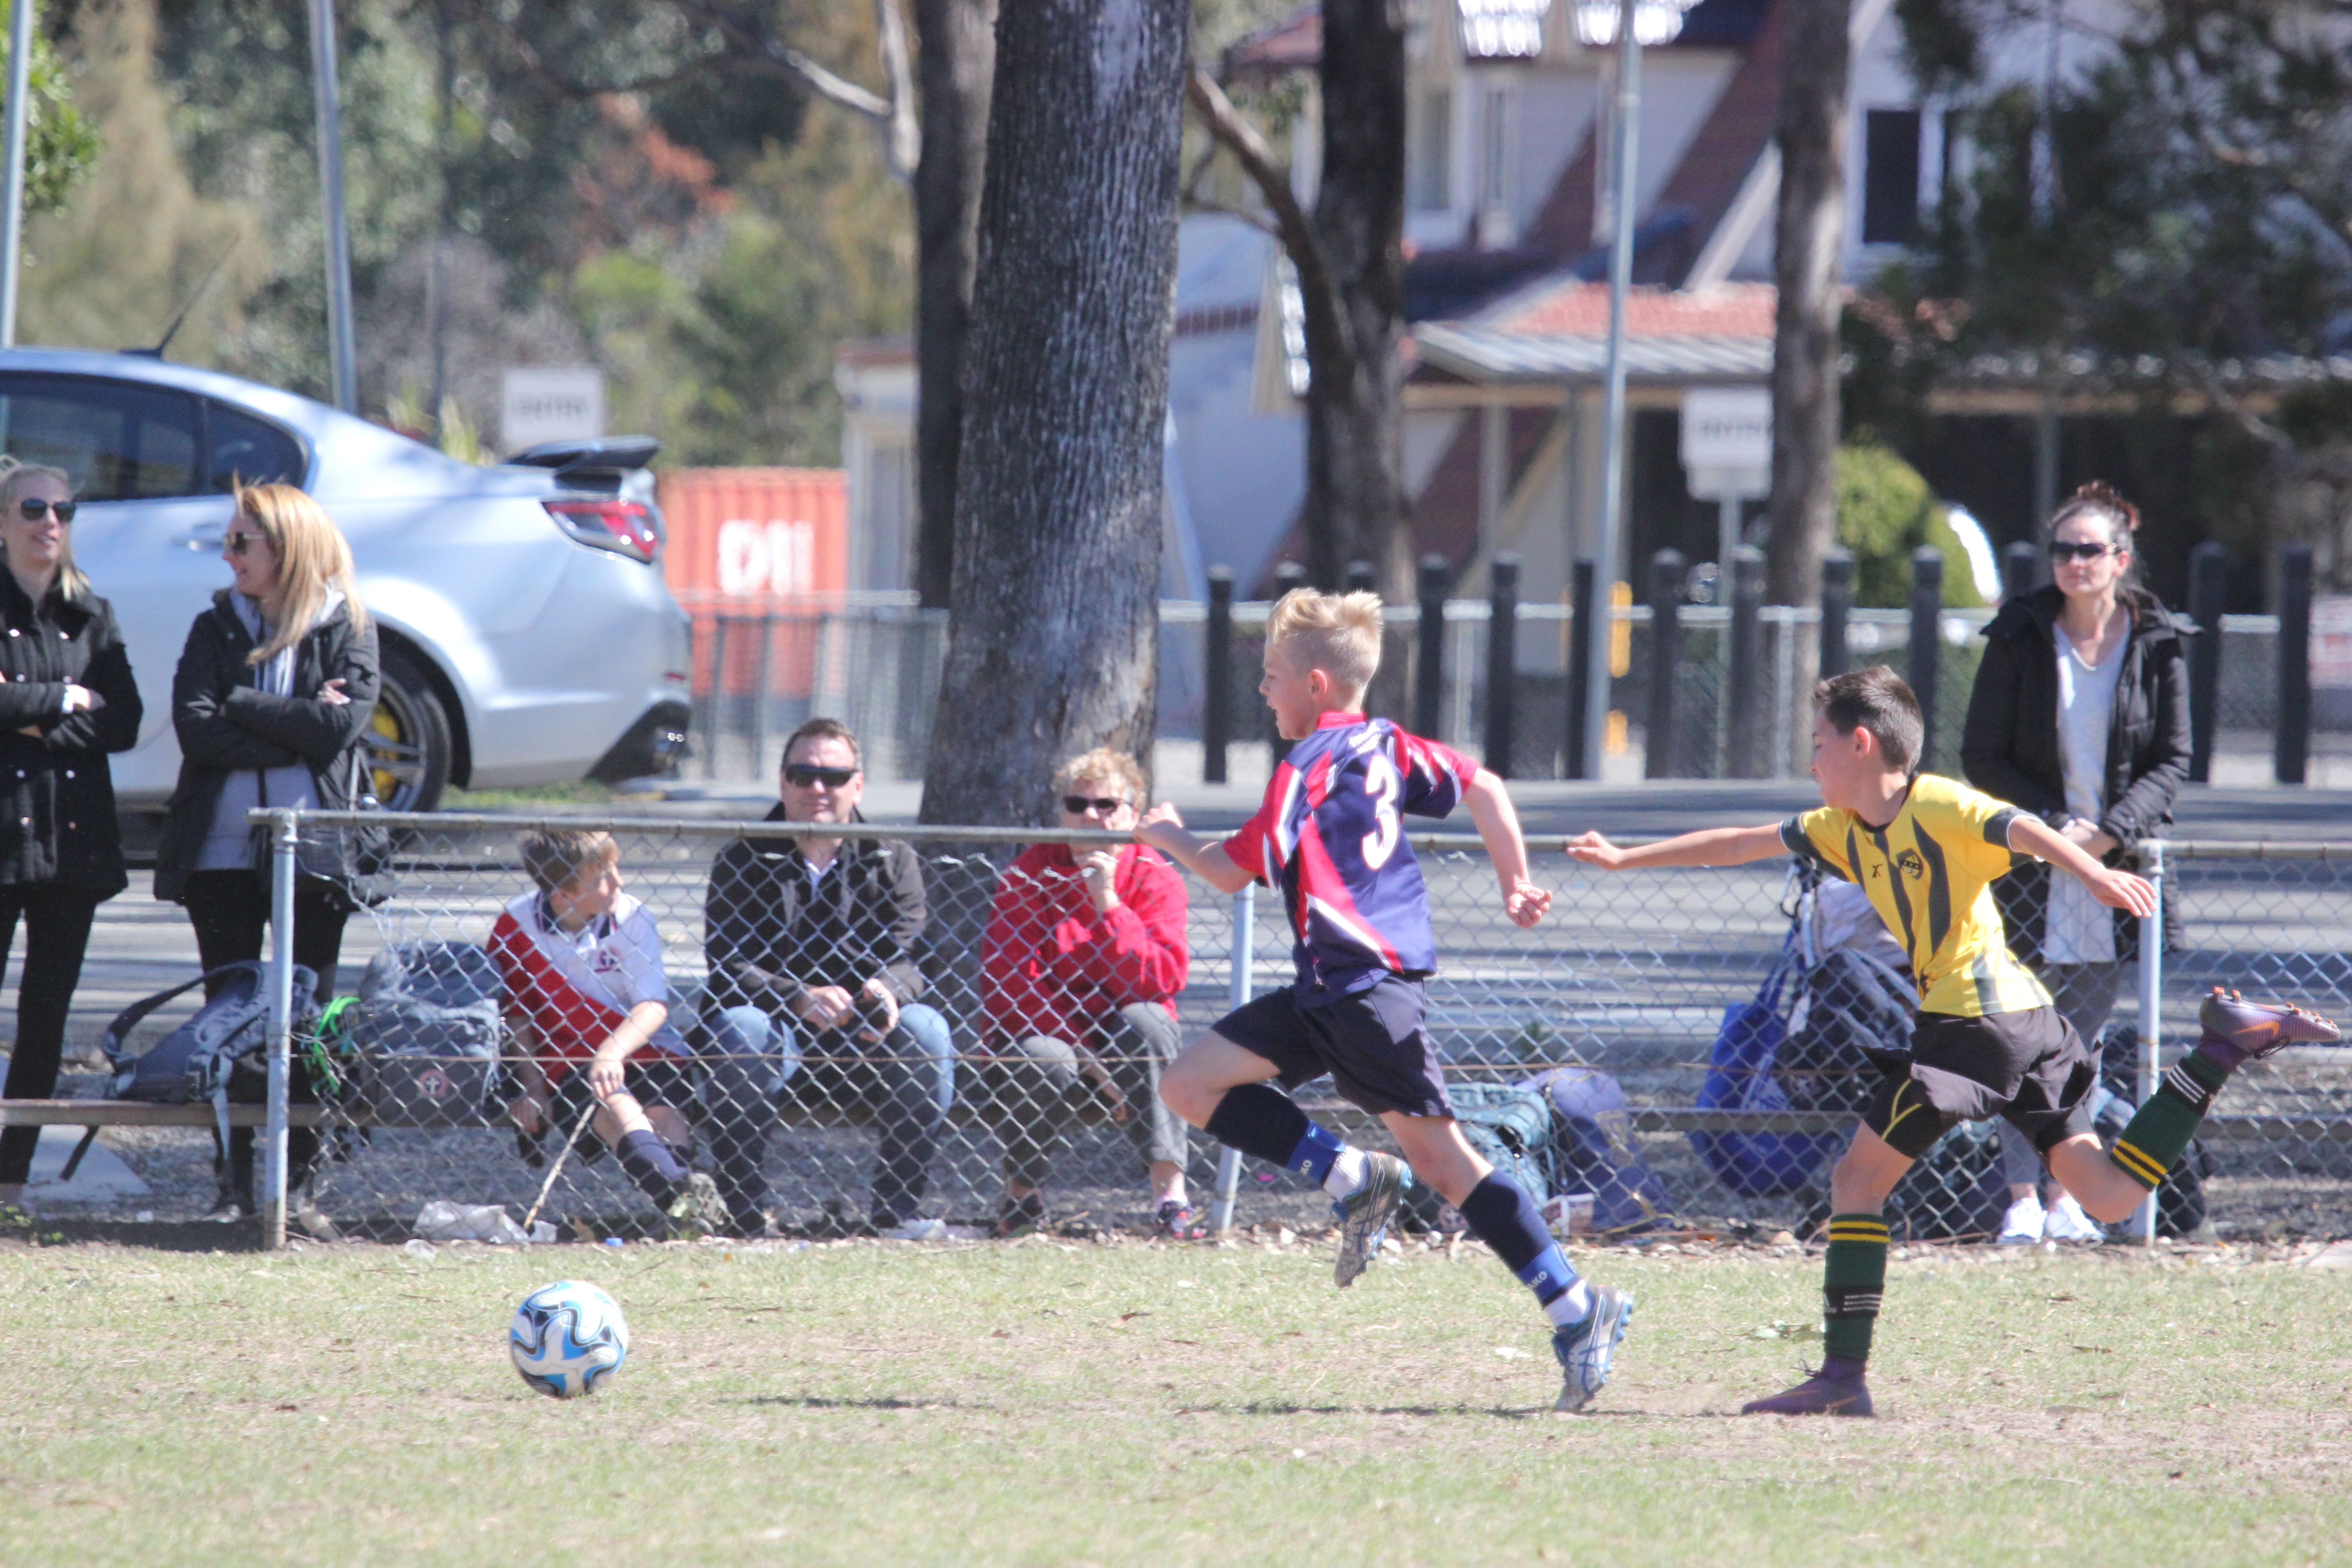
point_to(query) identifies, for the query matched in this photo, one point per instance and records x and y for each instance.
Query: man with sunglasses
(811, 940)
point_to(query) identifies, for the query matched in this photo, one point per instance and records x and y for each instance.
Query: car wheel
(410, 738)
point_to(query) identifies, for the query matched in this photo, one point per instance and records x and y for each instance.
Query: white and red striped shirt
(575, 988)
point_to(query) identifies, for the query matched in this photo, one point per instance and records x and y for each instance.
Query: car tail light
(608, 522)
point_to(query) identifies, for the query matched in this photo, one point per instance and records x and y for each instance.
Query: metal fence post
(1244, 947)
(2151, 1006)
(759, 692)
(717, 728)
(1217, 676)
(2294, 742)
(286, 836)
(1744, 735)
(1666, 656)
(1502, 663)
(2209, 578)
(1435, 577)
(1926, 639)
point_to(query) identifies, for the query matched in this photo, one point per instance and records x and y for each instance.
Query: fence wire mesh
(1731, 1007)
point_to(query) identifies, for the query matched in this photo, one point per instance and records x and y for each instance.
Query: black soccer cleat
(1823, 1393)
(2250, 1031)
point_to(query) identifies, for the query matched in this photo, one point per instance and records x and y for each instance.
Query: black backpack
(220, 1054)
(423, 1037)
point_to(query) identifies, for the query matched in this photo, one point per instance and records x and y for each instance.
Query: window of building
(1890, 164)
(1431, 180)
(1495, 150)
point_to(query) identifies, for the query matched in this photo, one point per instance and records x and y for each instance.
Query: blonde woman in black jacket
(2080, 715)
(271, 703)
(67, 700)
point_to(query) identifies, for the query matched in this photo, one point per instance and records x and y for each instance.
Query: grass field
(1046, 1403)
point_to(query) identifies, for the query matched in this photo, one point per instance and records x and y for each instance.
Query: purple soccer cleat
(2238, 1031)
(1833, 1391)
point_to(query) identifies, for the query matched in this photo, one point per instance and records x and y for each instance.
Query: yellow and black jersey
(1929, 875)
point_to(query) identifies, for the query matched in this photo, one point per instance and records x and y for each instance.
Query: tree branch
(903, 142)
(1239, 136)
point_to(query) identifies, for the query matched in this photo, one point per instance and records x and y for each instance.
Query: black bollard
(1666, 658)
(1743, 754)
(1217, 677)
(1288, 575)
(1837, 598)
(2209, 582)
(1434, 578)
(2294, 664)
(1502, 663)
(1926, 642)
(1583, 597)
(2020, 565)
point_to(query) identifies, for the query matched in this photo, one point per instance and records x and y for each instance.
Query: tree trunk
(1355, 506)
(958, 42)
(1053, 641)
(1806, 246)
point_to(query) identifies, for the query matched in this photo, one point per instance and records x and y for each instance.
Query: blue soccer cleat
(1586, 1350)
(1364, 1215)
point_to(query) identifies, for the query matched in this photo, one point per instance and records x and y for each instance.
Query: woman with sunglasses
(1080, 967)
(271, 704)
(67, 700)
(2080, 715)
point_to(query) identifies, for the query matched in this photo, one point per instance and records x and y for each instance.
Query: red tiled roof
(1574, 309)
(1292, 44)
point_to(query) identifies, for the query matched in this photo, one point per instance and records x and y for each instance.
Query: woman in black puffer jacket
(67, 700)
(2080, 715)
(271, 703)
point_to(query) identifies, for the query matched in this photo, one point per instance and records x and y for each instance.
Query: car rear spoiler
(601, 454)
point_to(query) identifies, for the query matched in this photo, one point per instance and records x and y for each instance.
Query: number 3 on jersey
(1384, 786)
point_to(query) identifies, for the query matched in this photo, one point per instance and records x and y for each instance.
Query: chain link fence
(1732, 1009)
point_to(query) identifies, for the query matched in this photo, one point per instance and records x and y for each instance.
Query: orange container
(749, 544)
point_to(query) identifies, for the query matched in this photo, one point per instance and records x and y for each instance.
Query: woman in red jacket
(1079, 972)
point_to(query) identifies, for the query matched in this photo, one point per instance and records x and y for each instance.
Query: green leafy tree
(1885, 512)
(60, 142)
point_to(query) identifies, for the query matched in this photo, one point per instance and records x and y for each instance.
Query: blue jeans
(907, 1078)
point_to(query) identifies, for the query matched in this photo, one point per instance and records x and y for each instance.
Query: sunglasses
(33, 510)
(1079, 804)
(2062, 551)
(238, 543)
(804, 774)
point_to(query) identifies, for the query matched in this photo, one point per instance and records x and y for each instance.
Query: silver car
(528, 635)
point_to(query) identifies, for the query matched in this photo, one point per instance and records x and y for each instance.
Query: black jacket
(226, 724)
(766, 941)
(55, 790)
(2010, 745)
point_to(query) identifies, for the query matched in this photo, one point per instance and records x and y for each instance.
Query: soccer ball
(567, 1339)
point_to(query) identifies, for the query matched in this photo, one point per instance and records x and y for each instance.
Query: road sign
(549, 403)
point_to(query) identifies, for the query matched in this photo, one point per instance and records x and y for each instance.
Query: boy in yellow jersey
(1988, 1043)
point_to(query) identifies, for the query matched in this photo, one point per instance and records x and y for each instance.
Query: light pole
(1629, 25)
(342, 352)
(12, 182)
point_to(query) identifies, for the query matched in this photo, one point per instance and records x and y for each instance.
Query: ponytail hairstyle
(2099, 500)
(13, 478)
(311, 558)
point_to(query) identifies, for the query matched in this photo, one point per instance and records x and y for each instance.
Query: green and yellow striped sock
(2162, 1128)
(1853, 1277)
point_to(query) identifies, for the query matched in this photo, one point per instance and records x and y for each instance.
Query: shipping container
(748, 545)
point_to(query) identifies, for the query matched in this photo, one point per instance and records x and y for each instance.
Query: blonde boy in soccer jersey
(588, 1002)
(1988, 1043)
(1328, 837)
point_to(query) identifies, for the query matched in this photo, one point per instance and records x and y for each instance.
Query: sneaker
(1586, 1350)
(2067, 1222)
(914, 1227)
(2250, 1031)
(1823, 1393)
(697, 1210)
(2022, 1226)
(1176, 1222)
(1364, 1215)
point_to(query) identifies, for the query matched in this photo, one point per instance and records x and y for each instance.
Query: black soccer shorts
(650, 1081)
(1371, 1043)
(2027, 1068)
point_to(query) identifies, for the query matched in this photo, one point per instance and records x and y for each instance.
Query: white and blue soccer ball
(567, 1339)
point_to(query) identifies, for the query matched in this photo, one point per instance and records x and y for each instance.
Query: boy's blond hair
(1107, 763)
(555, 857)
(1338, 634)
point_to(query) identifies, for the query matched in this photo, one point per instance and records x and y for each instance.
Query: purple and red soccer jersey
(1328, 835)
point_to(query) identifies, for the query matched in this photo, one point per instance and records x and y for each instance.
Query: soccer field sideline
(1044, 1402)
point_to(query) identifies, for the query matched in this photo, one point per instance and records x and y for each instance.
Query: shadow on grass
(815, 1402)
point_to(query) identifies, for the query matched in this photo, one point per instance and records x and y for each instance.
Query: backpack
(423, 1036)
(220, 1054)
(1740, 1077)
(1592, 1151)
(1510, 1127)
(2180, 1196)
(1958, 1189)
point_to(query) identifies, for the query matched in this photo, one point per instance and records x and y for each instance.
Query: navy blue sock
(652, 1165)
(1501, 1215)
(1267, 1124)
